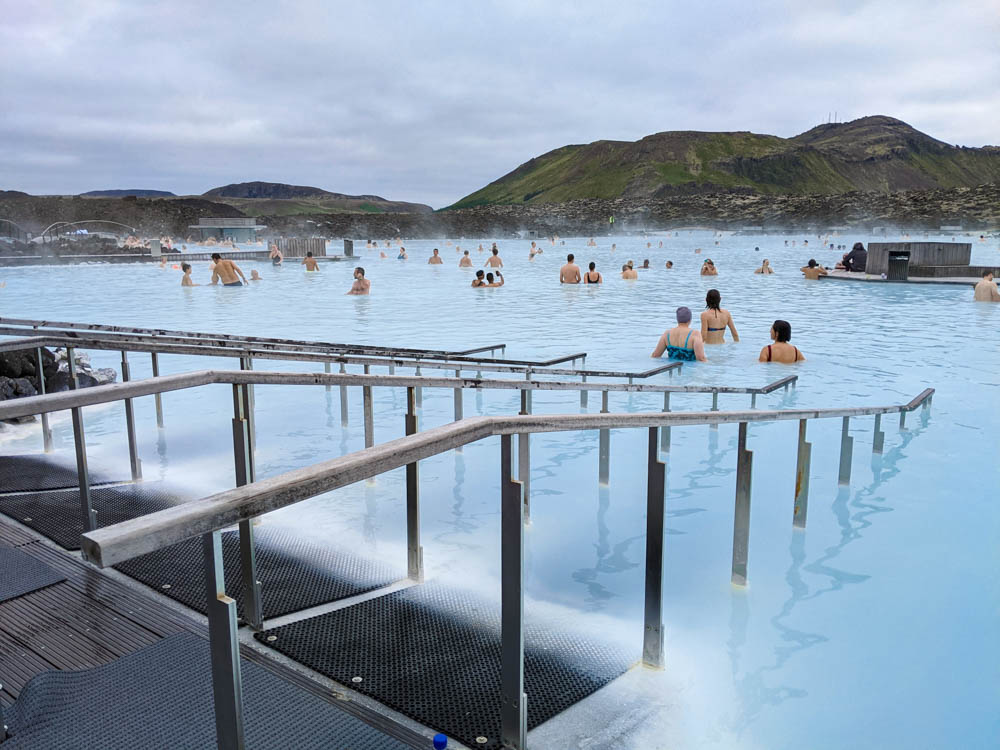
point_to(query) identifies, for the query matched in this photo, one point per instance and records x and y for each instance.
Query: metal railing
(208, 516)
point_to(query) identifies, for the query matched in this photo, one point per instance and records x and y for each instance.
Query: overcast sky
(427, 101)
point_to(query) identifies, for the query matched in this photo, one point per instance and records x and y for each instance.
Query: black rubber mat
(21, 573)
(56, 513)
(434, 655)
(26, 473)
(161, 697)
(294, 574)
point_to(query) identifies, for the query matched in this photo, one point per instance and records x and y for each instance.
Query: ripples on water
(875, 627)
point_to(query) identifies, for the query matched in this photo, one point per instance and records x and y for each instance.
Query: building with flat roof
(242, 229)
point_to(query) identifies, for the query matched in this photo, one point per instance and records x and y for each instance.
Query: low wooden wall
(940, 272)
(297, 247)
(921, 254)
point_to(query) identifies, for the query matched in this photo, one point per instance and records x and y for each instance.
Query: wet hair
(625, 268)
(987, 272)
(489, 277)
(480, 273)
(435, 249)
(782, 331)
(713, 299)
(592, 265)
(709, 261)
(569, 258)
(670, 263)
(360, 270)
(811, 263)
(495, 251)
(465, 252)
(858, 246)
(309, 254)
(216, 256)
(683, 314)
(187, 267)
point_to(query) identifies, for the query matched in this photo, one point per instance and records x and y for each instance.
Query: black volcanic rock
(123, 193)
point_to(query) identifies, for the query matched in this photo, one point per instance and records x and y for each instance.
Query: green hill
(873, 154)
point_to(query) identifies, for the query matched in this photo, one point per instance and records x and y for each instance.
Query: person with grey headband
(680, 342)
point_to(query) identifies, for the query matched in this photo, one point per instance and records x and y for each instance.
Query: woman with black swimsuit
(715, 319)
(592, 276)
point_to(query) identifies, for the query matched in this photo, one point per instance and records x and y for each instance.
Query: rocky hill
(123, 193)
(875, 154)
(304, 199)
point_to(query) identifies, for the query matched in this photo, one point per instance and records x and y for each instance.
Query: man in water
(186, 278)
(670, 264)
(494, 260)
(226, 270)
(479, 281)
(629, 273)
(813, 270)
(466, 261)
(310, 262)
(986, 290)
(490, 281)
(435, 259)
(569, 273)
(361, 285)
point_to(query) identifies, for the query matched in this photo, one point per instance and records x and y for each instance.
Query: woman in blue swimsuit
(680, 342)
(715, 319)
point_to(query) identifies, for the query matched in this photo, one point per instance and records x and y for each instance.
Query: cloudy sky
(428, 101)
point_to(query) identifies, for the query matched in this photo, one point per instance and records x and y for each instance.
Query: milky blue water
(876, 627)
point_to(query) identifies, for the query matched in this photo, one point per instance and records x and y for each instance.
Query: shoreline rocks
(19, 374)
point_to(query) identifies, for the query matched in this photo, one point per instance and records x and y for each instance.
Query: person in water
(708, 268)
(402, 253)
(435, 259)
(276, 257)
(254, 276)
(479, 280)
(812, 270)
(494, 260)
(629, 273)
(570, 272)
(593, 276)
(680, 342)
(645, 265)
(715, 319)
(361, 285)
(781, 350)
(670, 264)
(186, 278)
(490, 281)
(227, 271)
(765, 267)
(986, 290)
(310, 262)
(466, 261)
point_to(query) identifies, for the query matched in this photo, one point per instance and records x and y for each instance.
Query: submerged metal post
(253, 612)
(343, 399)
(414, 552)
(80, 443)
(458, 399)
(227, 679)
(46, 432)
(715, 407)
(513, 701)
(133, 451)
(878, 439)
(902, 419)
(665, 431)
(583, 393)
(741, 516)
(326, 369)
(846, 452)
(369, 416)
(156, 397)
(801, 507)
(420, 390)
(604, 446)
(246, 364)
(524, 457)
(652, 638)
(753, 400)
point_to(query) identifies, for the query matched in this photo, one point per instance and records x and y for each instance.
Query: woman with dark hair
(715, 319)
(856, 260)
(781, 350)
(680, 342)
(593, 276)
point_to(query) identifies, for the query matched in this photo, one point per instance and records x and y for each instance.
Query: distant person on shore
(435, 259)
(708, 268)
(680, 342)
(986, 290)
(593, 276)
(275, 255)
(479, 280)
(629, 273)
(765, 267)
(227, 271)
(781, 351)
(855, 261)
(361, 285)
(813, 270)
(466, 261)
(186, 278)
(670, 264)
(570, 272)
(494, 260)
(254, 275)
(715, 319)
(310, 262)
(490, 281)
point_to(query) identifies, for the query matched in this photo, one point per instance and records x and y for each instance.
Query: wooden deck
(845, 276)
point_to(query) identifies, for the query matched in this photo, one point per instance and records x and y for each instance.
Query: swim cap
(683, 315)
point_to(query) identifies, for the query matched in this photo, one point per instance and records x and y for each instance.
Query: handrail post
(224, 645)
(458, 399)
(326, 369)
(343, 398)
(665, 431)
(524, 456)
(583, 393)
(878, 439)
(46, 432)
(652, 639)
(80, 443)
(156, 398)
(253, 611)
(604, 446)
(715, 407)
(846, 452)
(902, 419)
(513, 701)
(133, 452)
(753, 400)
(801, 505)
(414, 552)
(366, 391)
(246, 365)
(420, 390)
(741, 516)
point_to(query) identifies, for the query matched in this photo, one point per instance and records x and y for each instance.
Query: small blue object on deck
(440, 742)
